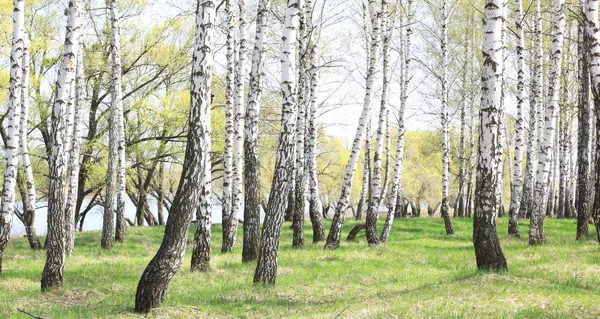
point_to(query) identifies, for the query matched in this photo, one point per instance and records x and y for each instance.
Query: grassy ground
(420, 273)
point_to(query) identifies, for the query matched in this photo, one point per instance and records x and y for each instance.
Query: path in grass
(421, 272)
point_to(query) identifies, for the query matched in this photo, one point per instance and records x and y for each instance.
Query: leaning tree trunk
(11, 154)
(315, 206)
(592, 40)
(488, 252)
(515, 194)
(121, 227)
(30, 200)
(252, 160)
(52, 275)
(266, 268)
(536, 228)
(75, 150)
(238, 124)
(396, 192)
(229, 220)
(333, 239)
(375, 193)
(445, 208)
(583, 136)
(165, 264)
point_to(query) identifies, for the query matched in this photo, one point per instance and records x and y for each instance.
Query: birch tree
(30, 199)
(363, 199)
(333, 239)
(229, 220)
(517, 185)
(583, 135)
(592, 40)
(252, 159)
(11, 154)
(238, 121)
(445, 208)
(153, 284)
(536, 228)
(52, 275)
(396, 191)
(117, 97)
(488, 252)
(266, 268)
(75, 149)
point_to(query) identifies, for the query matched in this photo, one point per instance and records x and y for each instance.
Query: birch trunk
(52, 275)
(229, 219)
(592, 40)
(375, 194)
(266, 268)
(536, 228)
(396, 191)
(363, 199)
(121, 226)
(165, 264)
(516, 186)
(11, 154)
(75, 150)
(333, 239)
(30, 200)
(488, 252)
(315, 205)
(238, 123)
(252, 160)
(202, 237)
(445, 208)
(583, 136)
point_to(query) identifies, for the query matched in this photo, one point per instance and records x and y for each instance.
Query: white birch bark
(333, 239)
(229, 219)
(117, 97)
(488, 252)
(445, 208)
(536, 229)
(52, 276)
(238, 120)
(266, 268)
(11, 154)
(396, 191)
(363, 199)
(74, 152)
(252, 160)
(517, 184)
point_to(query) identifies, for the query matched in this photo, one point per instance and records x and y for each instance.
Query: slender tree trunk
(52, 275)
(161, 194)
(266, 268)
(238, 124)
(165, 264)
(366, 179)
(315, 206)
(333, 239)
(396, 192)
(11, 154)
(488, 252)
(121, 226)
(375, 194)
(583, 136)
(202, 237)
(229, 220)
(252, 160)
(73, 172)
(445, 208)
(517, 185)
(29, 199)
(536, 229)
(592, 40)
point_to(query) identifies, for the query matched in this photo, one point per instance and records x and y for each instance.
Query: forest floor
(420, 273)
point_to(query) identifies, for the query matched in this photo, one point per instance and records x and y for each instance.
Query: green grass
(420, 273)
